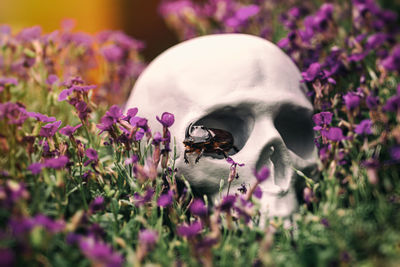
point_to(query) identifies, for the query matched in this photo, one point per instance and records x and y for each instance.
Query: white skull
(241, 84)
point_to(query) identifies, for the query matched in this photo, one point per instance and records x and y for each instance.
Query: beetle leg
(200, 155)
(221, 151)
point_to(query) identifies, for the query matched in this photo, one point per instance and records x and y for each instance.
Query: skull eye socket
(294, 124)
(238, 121)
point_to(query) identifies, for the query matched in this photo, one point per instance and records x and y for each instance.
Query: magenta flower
(101, 254)
(262, 174)
(64, 94)
(92, 155)
(56, 163)
(69, 130)
(395, 153)
(7, 257)
(49, 129)
(114, 112)
(157, 138)
(198, 208)
(392, 62)
(41, 117)
(48, 224)
(190, 230)
(51, 79)
(148, 237)
(29, 34)
(392, 104)
(231, 161)
(334, 134)
(130, 114)
(372, 102)
(15, 113)
(167, 119)
(7, 81)
(35, 168)
(112, 53)
(313, 72)
(364, 127)
(307, 195)
(165, 200)
(147, 197)
(351, 100)
(322, 119)
(258, 192)
(97, 204)
(227, 203)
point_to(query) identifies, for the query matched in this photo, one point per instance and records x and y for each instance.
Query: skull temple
(243, 85)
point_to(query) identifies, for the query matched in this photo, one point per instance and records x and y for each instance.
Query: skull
(246, 86)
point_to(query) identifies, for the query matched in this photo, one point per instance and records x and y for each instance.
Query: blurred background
(138, 18)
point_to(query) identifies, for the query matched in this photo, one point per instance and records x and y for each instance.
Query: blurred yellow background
(138, 18)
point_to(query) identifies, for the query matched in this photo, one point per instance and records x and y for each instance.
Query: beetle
(200, 139)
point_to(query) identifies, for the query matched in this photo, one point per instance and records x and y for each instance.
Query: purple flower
(69, 130)
(165, 200)
(307, 195)
(157, 138)
(92, 154)
(325, 222)
(392, 104)
(376, 40)
(48, 224)
(140, 200)
(51, 79)
(258, 192)
(334, 134)
(148, 237)
(372, 102)
(322, 119)
(35, 168)
(262, 174)
(83, 109)
(12, 192)
(130, 114)
(392, 62)
(313, 72)
(7, 81)
(139, 134)
(231, 161)
(41, 117)
(50, 129)
(29, 34)
(395, 153)
(364, 127)
(167, 119)
(198, 208)
(351, 100)
(7, 257)
(246, 12)
(112, 53)
(190, 230)
(64, 94)
(99, 253)
(15, 113)
(227, 203)
(56, 163)
(132, 159)
(114, 112)
(97, 204)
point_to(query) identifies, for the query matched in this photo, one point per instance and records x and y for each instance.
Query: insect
(200, 139)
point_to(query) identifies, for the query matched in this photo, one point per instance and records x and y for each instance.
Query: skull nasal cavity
(237, 121)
